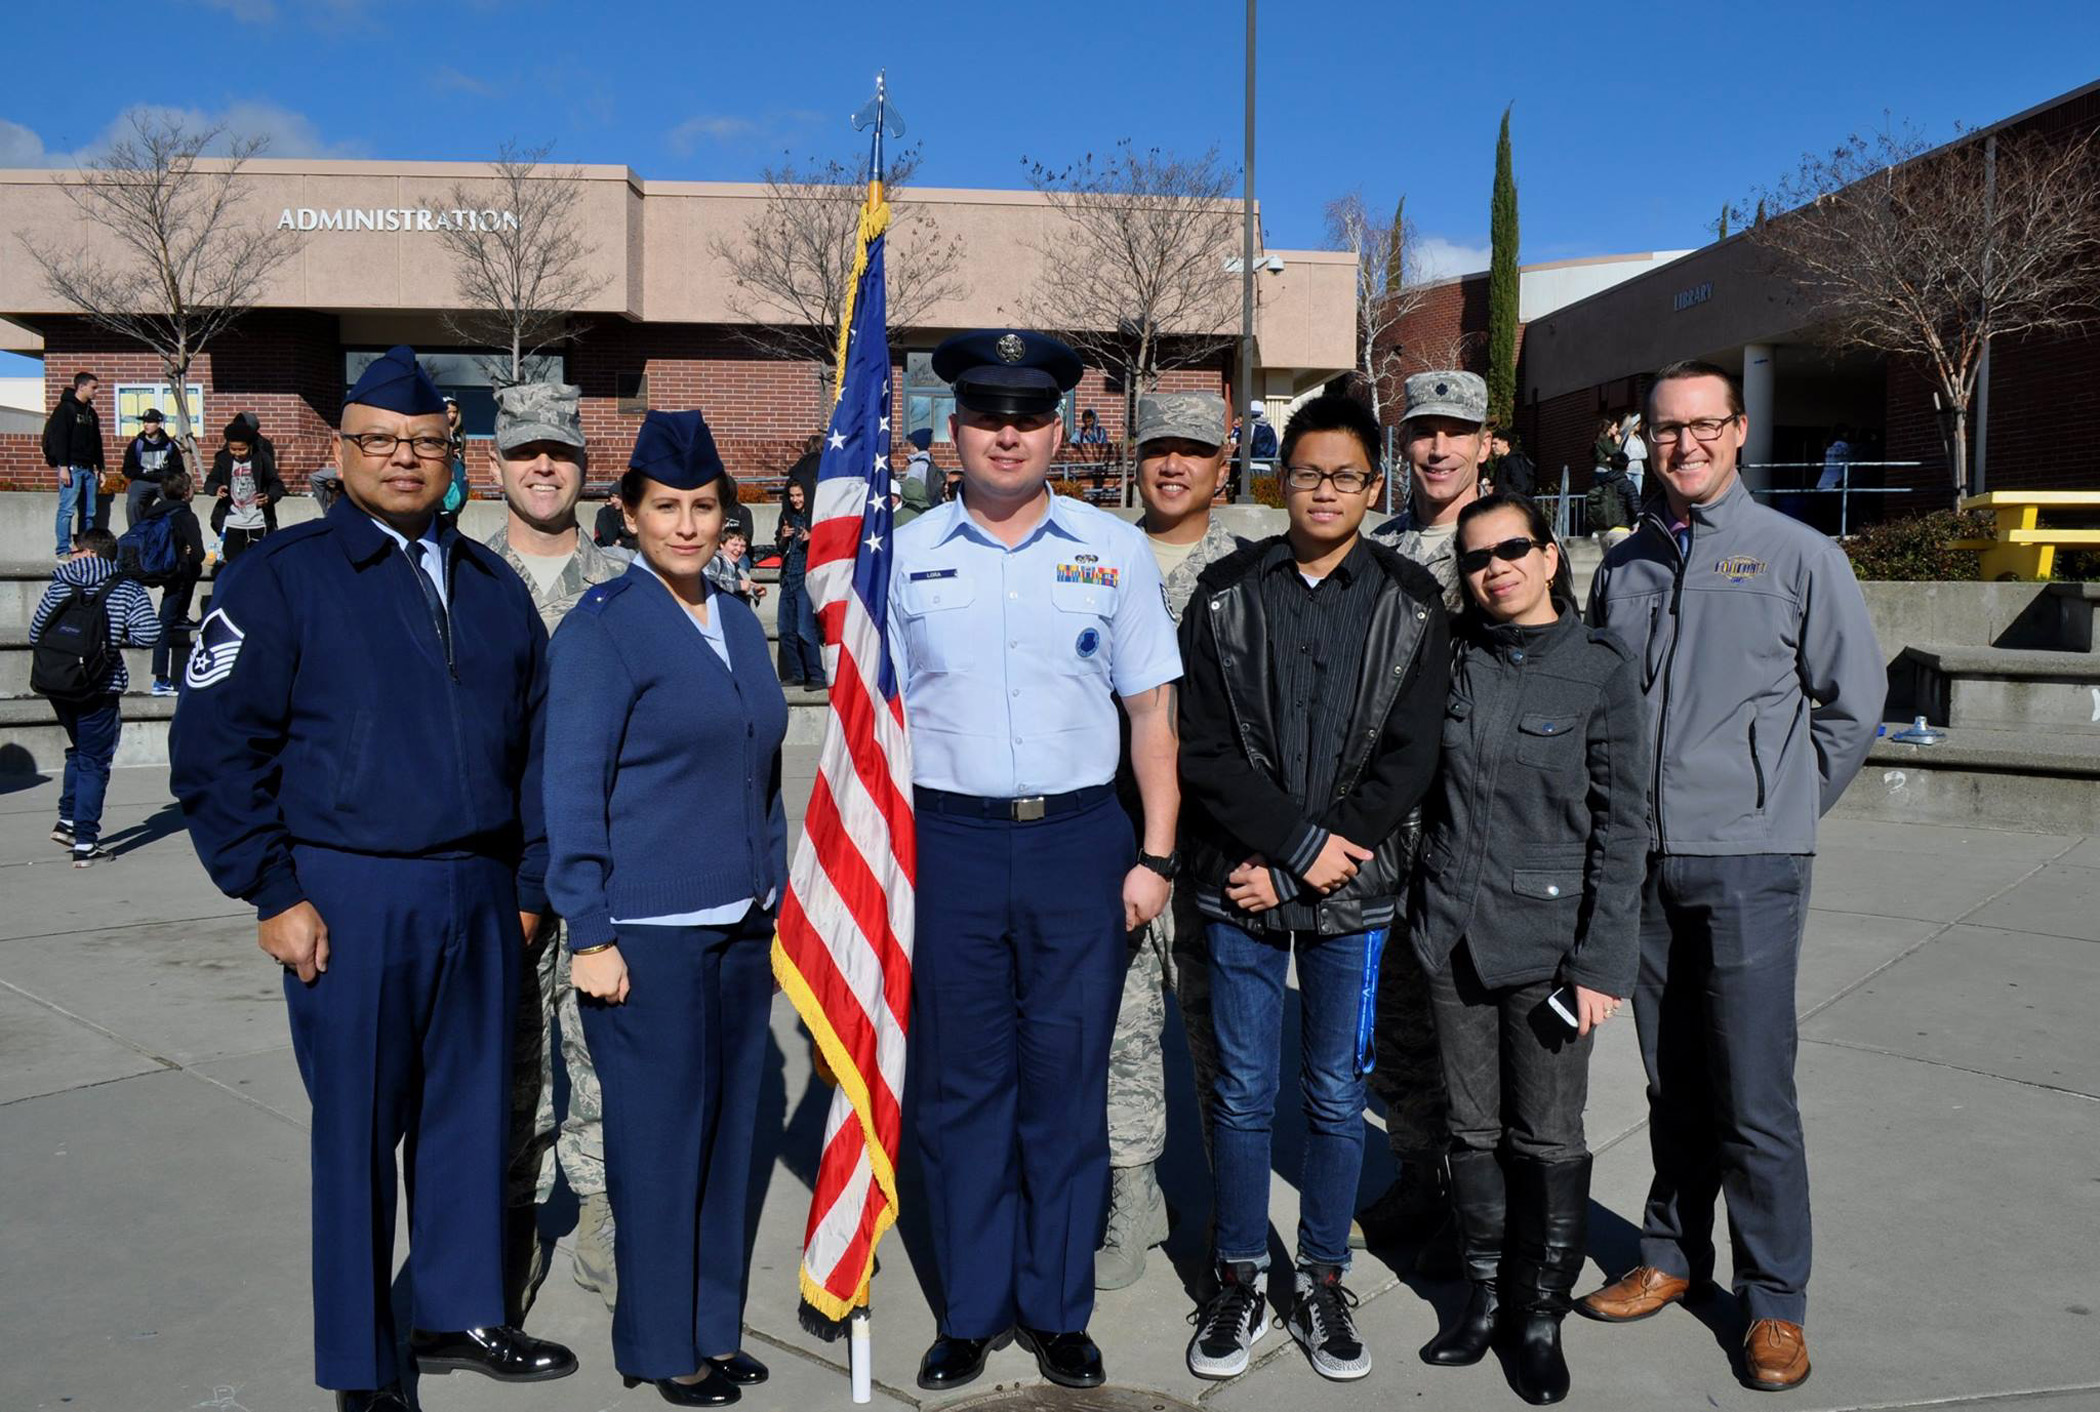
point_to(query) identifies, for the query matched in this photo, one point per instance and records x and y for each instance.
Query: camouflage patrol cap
(1460, 396)
(1191, 416)
(538, 411)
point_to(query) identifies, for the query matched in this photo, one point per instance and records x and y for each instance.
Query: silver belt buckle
(1027, 811)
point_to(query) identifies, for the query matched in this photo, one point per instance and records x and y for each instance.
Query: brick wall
(1447, 329)
(288, 369)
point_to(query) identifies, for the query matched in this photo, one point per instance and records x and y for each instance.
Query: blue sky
(1632, 123)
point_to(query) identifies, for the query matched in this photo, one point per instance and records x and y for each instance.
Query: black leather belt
(1019, 811)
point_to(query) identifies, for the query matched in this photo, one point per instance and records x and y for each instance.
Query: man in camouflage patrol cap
(1182, 453)
(540, 456)
(1443, 435)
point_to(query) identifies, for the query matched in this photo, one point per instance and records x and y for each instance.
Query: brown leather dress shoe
(1640, 1293)
(1775, 1356)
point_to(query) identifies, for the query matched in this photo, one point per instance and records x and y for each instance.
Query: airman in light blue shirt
(1011, 655)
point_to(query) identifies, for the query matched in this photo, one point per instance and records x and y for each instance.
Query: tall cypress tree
(1502, 287)
(1396, 249)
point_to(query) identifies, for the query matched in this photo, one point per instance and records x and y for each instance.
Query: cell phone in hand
(1562, 1003)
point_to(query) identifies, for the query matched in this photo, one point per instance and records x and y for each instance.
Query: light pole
(1246, 377)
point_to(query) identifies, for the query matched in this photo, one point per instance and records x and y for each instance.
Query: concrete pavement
(153, 1148)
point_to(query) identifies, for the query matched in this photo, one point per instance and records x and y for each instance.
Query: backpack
(74, 656)
(147, 550)
(1264, 445)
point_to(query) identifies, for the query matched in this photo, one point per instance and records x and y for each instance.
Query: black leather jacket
(1234, 800)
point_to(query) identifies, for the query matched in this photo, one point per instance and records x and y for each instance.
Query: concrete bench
(2020, 546)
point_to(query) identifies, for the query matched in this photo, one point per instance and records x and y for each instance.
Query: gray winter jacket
(1536, 835)
(1763, 679)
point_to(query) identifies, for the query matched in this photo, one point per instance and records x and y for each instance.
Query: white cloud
(693, 131)
(448, 79)
(246, 11)
(1439, 258)
(290, 134)
(19, 147)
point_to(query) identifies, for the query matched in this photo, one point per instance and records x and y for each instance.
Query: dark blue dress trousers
(680, 1062)
(405, 1039)
(1017, 973)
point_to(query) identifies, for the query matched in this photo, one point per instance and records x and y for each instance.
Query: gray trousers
(1714, 1007)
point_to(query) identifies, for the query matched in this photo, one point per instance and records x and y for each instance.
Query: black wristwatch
(1168, 867)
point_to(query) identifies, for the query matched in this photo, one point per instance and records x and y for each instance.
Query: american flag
(843, 954)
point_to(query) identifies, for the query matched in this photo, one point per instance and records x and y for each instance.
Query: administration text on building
(394, 218)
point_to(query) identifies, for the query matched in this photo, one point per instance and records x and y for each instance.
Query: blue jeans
(1247, 976)
(801, 642)
(82, 493)
(92, 727)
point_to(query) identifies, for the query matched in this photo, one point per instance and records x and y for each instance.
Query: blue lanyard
(1366, 1058)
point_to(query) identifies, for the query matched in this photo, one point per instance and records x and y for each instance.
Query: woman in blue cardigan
(668, 847)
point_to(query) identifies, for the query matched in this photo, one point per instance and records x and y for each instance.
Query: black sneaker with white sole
(1320, 1321)
(87, 855)
(1227, 1327)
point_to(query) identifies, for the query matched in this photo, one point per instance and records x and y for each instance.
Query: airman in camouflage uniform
(1182, 450)
(540, 455)
(1443, 435)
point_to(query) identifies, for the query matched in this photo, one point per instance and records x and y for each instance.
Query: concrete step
(32, 741)
(2002, 687)
(17, 656)
(2034, 781)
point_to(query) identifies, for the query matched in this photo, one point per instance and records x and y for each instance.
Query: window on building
(133, 398)
(465, 374)
(631, 392)
(928, 401)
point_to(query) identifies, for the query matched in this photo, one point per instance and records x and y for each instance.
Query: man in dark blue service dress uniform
(1020, 617)
(357, 754)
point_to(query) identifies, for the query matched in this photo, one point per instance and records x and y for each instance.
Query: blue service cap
(1007, 371)
(676, 449)
(395, 382)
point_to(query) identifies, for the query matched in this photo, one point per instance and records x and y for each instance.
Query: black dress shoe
(507, 1354)
(952, 1362)
(1069, 1360)
(712, 1390)
(740, 1368)
(386, 1399)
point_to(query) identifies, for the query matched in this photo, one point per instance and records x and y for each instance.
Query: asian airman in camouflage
(540, 458)
(1182, 452)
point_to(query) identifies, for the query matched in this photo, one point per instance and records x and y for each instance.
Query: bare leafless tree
(1935, 253)
(1137, 265)
(791, 266)
(1387, 289)
(187, 262)
(520, 258)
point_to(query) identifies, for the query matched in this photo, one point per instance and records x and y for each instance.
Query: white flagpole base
(861, 1354)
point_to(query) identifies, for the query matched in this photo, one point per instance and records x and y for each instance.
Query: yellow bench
(2020, 547)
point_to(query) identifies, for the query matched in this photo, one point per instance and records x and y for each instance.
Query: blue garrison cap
(1007, 371)
(676, 449)
(395, 382)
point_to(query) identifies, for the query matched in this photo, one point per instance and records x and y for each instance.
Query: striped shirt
(132, 621)
(1316, 652)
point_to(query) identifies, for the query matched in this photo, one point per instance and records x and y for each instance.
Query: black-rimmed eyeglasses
(1309, 478)
(382, 444)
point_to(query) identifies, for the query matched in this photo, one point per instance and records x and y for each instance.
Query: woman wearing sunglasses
(1524, 916)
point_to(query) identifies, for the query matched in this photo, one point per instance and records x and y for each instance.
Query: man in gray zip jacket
(1764, 685)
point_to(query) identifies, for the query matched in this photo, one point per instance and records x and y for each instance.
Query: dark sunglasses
(1509, 551)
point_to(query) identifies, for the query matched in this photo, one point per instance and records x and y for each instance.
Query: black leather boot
(1548, 1224)
(1478, 1198)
